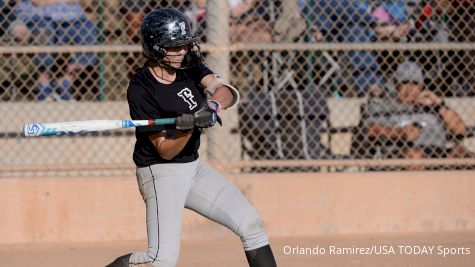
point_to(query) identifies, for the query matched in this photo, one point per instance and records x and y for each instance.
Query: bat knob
(31, 129)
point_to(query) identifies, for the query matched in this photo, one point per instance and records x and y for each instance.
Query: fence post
(223, 146)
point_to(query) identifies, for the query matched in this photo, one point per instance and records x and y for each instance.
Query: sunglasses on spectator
(405, 82)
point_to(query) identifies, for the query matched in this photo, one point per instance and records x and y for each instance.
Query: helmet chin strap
(167, 65)
(162, 63)
(153, 65)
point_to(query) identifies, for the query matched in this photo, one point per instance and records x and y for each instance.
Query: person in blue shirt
(346, 21)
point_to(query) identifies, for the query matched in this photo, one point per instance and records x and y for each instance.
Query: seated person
(442, 21)
(59, 22)
(249, 22)
(329, 25)
(392, 23)
(6, 16)
(411, 122)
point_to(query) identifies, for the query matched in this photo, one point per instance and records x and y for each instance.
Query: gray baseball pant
(169, 188)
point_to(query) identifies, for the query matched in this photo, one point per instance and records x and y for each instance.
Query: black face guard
(192, 58)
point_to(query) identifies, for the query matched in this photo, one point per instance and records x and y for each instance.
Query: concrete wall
(78, 209)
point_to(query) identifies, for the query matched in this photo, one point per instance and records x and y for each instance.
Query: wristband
(220, 82)
(214, 106)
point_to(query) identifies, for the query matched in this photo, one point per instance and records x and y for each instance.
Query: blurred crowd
(89, 22)
(397, 83)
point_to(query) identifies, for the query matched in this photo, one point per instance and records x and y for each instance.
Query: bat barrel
(76, 127)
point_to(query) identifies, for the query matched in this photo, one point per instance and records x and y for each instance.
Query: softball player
(175, 82)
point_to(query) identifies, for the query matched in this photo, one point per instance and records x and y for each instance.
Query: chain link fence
(326, 85)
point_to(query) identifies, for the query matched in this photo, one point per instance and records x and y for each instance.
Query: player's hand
(428, 98)
(185, 122)
(206, 117)
(411, 132)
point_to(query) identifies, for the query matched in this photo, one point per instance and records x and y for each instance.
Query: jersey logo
(183, 28)
(187, 96)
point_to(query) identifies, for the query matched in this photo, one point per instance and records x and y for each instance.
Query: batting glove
(206, 117)
(185, 122)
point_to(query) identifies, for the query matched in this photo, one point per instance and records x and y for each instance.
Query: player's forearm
(220, 91)
(171, 146)
(223, 96)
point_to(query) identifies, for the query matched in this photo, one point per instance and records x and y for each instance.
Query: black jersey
(150, 99)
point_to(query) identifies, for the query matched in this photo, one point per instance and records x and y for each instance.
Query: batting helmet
(164, 28)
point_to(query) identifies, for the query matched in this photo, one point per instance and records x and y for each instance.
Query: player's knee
(165, 263)
(164, 259)
(253, 234)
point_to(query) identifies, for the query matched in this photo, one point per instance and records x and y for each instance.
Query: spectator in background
(290, 25)
(133, 12)
(466, 33)
(6, 15)
(16, 70)
(249, 22)
(439, 21)
(435, 22)
(345, 21)
(392, 24)
(59, 22)
(197, 16)
(412, 122)
(391, 21)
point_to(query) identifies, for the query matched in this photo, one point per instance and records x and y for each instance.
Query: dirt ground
(381, 250)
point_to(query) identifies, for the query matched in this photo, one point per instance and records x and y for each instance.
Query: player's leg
(164, 188)
(216, 198)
